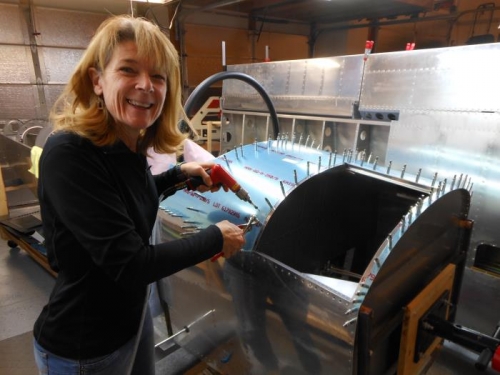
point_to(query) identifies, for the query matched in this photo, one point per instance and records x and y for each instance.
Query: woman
(99, 202)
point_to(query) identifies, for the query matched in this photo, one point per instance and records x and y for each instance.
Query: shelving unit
(20, 222)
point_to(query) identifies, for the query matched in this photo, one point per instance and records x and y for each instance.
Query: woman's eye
(127, 69)
(159, 77)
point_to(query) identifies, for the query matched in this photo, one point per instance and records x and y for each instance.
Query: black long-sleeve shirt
(98, 207)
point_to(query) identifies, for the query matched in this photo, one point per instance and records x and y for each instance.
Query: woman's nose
(145, 83)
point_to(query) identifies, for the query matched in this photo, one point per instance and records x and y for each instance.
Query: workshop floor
(25, 287)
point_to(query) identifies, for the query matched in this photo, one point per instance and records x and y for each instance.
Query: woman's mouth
(139, 104)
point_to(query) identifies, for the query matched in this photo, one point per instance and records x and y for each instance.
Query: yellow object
(4, 207)
(36, 152)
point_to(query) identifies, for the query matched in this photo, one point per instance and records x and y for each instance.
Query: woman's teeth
(139, 104)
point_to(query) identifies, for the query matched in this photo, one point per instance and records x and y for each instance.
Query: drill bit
(244, 196)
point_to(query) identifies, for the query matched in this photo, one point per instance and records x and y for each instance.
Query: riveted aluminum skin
(328, 228)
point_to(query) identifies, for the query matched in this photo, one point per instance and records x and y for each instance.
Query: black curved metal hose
(203, 86)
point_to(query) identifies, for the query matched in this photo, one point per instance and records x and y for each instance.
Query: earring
(100, 103)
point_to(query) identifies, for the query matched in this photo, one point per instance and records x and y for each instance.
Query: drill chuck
(244, 196)
(219, 176)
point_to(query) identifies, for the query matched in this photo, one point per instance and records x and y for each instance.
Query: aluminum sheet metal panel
(448, 119)
(440, 141)
(322, 86)
(448, 79)
(327, 225)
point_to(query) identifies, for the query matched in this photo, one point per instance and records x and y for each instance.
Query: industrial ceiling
(317, 11)
(303, 11)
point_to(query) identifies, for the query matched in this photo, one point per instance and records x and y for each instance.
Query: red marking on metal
(198, 196)
(214, 104)
(289, 183)
(230, 211)
(371, 277)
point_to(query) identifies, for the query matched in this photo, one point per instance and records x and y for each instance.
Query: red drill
(219, 177)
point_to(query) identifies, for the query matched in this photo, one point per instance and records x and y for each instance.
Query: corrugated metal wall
(39, 48)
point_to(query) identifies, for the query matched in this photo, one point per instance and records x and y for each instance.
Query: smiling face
(133, 90)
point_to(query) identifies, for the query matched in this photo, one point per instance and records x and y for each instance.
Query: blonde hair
(78, 110)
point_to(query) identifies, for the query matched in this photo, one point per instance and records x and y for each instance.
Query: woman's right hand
(233, 238)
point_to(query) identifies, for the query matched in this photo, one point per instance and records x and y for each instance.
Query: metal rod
(434, 179)
(194, 209)
(185, 329)
(351, 310)
(269, 204)
(469, 183)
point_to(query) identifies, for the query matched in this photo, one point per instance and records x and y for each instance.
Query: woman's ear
(95, 77)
